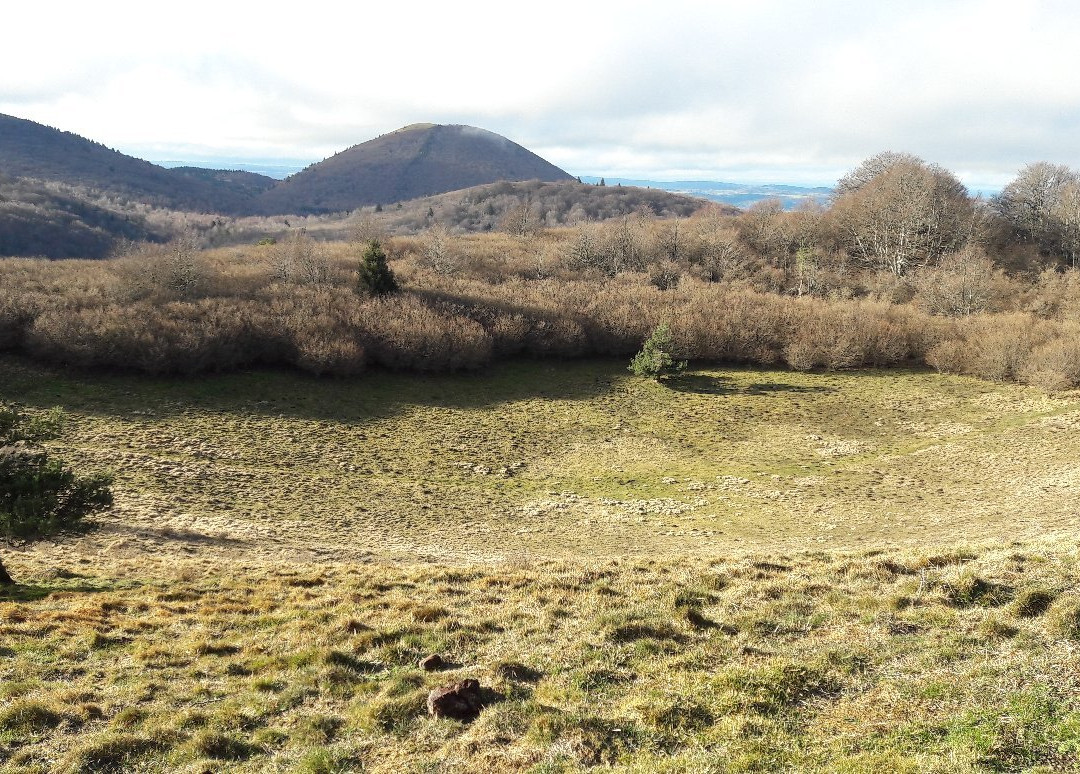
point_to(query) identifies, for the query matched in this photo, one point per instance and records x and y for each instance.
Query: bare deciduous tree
(438, 254)
(1042, 207)
(522, 218)
(299, 259)
(908, 214)
(764, 228)
(870, 169)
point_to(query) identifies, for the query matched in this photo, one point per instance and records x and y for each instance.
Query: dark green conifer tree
(654, 360)
(375, 279)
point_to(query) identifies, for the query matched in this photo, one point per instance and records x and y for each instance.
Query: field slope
(735, 571)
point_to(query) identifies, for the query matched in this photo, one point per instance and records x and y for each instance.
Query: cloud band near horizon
(774, 91)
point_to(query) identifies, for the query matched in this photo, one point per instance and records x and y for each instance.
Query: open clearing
(736, 571)
(562, 460)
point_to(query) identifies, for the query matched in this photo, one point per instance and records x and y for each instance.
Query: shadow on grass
(377, 394)
(772, 388)
(700, 384)
(709, 384)
(32, 592)
(181, 536)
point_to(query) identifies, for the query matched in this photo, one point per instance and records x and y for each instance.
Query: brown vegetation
(903, 269)
(597, 289)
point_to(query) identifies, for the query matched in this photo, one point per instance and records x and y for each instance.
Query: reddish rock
(432, 663)
(460, 701)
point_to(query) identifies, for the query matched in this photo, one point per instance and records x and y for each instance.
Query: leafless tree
(1042, 207)
(300, 259)
(908, 214)
(1067, 214)
(438, 253)
(522, 218)
(870, 169)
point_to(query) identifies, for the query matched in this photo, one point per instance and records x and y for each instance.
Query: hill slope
(227, 182)
(415, 161)
(550, 204)
(32, 150)
(56, 221)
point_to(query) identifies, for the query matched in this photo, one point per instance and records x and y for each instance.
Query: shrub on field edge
(38, 493)
(654, 360)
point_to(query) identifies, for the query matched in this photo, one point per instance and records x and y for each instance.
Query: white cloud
(780, 89)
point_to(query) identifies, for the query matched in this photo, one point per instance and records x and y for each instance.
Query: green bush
(375, 279)
(39, 494)
(654, 360)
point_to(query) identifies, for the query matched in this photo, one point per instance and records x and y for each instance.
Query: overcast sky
(763, 90)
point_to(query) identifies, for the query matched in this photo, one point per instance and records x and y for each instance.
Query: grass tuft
(111, 754)
(1032, 602)
(1064, 617)
(29, 716)
(222, 746)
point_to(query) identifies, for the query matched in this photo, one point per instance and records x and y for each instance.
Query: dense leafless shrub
(998, 351)
(849, 335)
(177, 337)
(366, 227)
(299, 259)
(1054, 295)
(963, 283)
(405, 333)
(948, 356)
(1055, 364)
(498, 303)
(174, 271)
(665, 275)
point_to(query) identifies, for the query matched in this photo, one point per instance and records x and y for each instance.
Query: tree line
(903, 268)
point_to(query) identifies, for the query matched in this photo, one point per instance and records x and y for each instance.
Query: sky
(772, 91)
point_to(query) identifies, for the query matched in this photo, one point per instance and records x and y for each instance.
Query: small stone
(432, 663)
(460, 701)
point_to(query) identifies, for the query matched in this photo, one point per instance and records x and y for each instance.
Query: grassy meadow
(735, 570)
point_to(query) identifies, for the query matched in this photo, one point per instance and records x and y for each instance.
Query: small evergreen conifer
(39, 494)
(654, 360)
(376, 279)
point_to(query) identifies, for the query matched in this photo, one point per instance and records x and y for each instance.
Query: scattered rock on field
(460, 701)
(432, 663)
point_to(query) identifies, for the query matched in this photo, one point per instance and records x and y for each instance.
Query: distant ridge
(735, 194)
(32, 150)
(409, 163)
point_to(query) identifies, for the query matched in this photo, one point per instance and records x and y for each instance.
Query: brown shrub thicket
(1012, 347)
(176, 309)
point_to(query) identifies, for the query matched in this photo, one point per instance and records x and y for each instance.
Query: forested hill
(528, 205)
(412, 162)
(32, 150)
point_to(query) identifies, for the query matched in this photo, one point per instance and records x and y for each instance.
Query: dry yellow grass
(563, 459)
(826, 662)
(738, 571)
